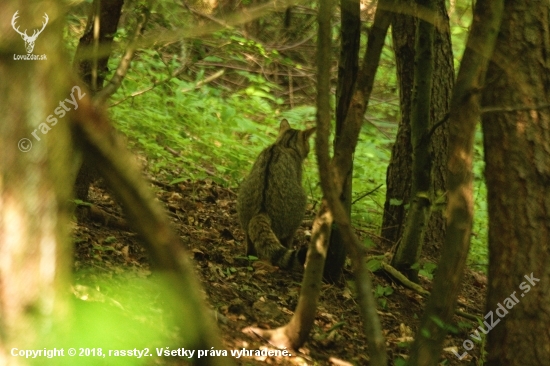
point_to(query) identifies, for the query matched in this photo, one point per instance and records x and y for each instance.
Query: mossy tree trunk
(409, 249)
(399, 173)
(517, 171)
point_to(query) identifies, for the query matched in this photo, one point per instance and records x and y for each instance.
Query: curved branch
(122, 69)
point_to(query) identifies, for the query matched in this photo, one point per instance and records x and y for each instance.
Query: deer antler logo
(29, 40)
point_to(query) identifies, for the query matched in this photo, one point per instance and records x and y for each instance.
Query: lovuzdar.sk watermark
(29, 40)
(501, 311)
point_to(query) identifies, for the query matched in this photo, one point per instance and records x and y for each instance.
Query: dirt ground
(245, 294)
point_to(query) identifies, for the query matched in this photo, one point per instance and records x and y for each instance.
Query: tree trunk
(465, 107)
(517, 171)
(410, 247)
(399, 174)
(91, 59)
(334, 176)
(92, 55)
(35, 250)
(348, 68)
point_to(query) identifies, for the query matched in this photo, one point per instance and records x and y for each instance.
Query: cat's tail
(268, 247)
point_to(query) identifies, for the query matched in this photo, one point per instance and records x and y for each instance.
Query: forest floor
(245, 294)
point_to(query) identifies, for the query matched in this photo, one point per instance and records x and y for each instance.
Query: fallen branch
(96, 214)
(401, 278)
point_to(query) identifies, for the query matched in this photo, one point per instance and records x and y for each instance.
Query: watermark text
(25, 144)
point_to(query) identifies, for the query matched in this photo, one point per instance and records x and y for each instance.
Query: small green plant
(427, 270)
(381, 292)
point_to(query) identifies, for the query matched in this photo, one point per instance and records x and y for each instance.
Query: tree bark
(399, 173)
(92, 54)
(348, 69)
(517, 172)
(410, 247)
(333, 174)
(462, 121)
(91, 59)
(35, 248)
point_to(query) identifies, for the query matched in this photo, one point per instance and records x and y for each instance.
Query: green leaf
(374, 265)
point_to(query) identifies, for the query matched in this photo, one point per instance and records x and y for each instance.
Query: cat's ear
(285, 126)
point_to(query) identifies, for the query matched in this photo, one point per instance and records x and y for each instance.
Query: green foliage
(201, 125)
(460, 20)
(374, 263)
(478, 256)
(373, 151)
(381, 292)
(124, 312)
(400, 361)
(371, 159)
(441, 324)
(215, 136)
(427, 270)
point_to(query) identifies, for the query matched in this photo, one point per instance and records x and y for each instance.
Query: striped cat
(271, 202)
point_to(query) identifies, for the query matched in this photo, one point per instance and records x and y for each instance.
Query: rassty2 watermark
(25, 144)
(29, 40)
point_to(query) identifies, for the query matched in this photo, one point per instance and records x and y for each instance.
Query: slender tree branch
(205, 81)
(366, 194)
(398, 276)
(295, 333)
(513, 109)
(332, 174)
(299, 74)
(122, 69)
(291, 46)
(155, 84)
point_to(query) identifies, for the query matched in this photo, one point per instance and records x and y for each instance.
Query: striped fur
(271, 201)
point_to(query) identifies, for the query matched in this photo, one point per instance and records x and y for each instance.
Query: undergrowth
(190, 127)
